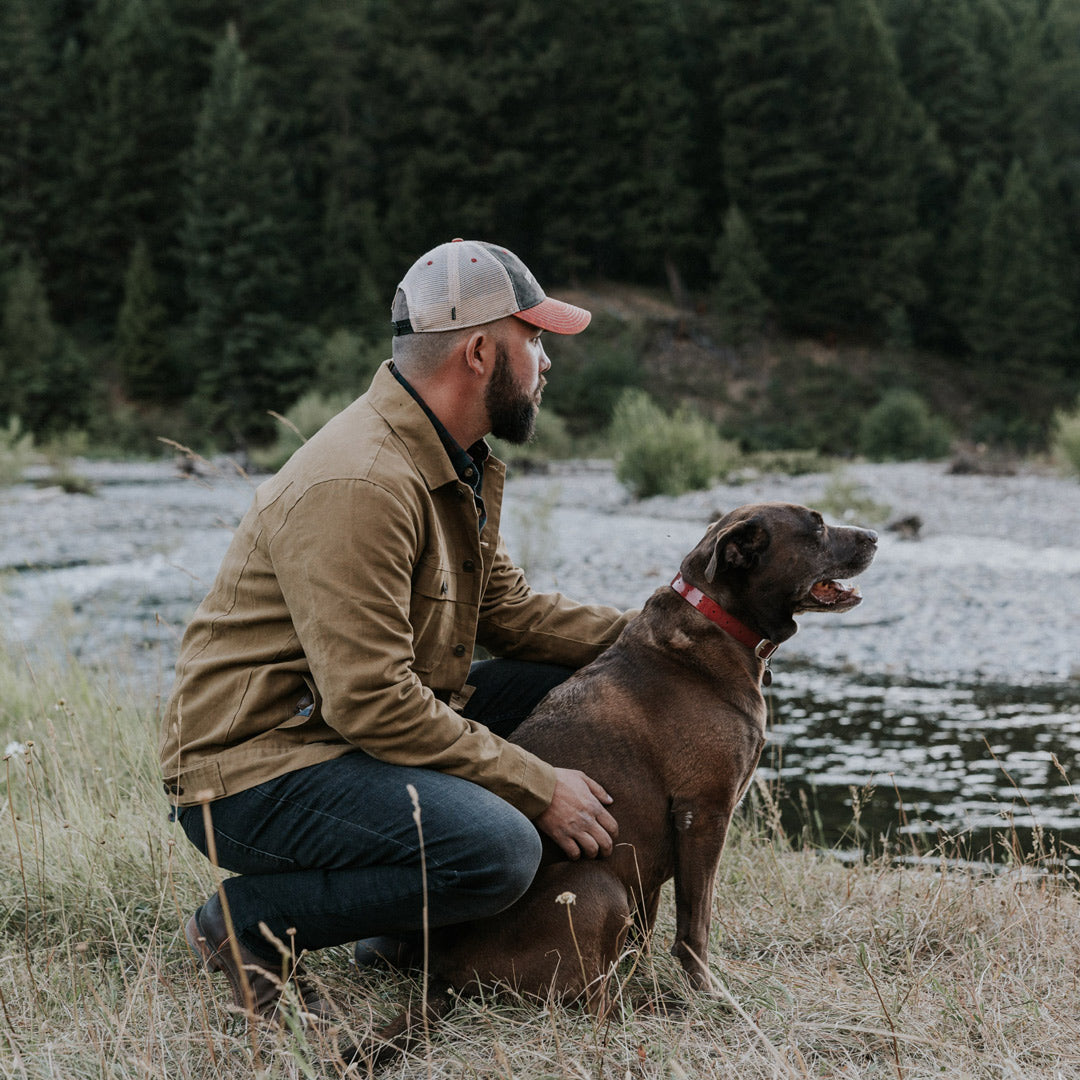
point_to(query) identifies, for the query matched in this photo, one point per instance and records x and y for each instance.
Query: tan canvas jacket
(359, 576)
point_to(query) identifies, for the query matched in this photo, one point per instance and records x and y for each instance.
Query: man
(329, 668)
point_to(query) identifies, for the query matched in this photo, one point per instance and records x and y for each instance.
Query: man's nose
(545, 361)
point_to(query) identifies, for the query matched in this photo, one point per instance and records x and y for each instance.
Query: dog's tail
(403, 1032)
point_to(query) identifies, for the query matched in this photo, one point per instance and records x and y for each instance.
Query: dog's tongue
(832, 592)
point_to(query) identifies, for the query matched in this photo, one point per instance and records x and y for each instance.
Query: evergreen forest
(205, 205)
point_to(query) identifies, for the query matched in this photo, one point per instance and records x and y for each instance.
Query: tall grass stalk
(823, 966)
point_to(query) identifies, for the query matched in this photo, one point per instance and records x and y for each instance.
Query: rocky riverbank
(989, 590)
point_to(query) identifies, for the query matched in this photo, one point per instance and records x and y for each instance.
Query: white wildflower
(15, 749)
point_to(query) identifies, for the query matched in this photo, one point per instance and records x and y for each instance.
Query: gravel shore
(989, 592)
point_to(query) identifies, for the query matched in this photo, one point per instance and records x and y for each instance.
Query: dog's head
(768, 562)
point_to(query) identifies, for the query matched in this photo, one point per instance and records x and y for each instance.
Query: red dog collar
(763, 647)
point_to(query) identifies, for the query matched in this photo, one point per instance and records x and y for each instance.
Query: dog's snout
(871, 536)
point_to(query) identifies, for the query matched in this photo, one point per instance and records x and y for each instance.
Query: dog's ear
(739, 546)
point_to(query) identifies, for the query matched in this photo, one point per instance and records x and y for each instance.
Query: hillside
(780, 392)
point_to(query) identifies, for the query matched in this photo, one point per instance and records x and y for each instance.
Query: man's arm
(548, 627)
(344, 561)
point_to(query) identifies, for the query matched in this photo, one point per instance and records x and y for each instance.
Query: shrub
(786, 462)
(1065, 439)
(846, 500)
(661, 454)
(16, 450)
(301, 421)
(347, 363)
(901, 427)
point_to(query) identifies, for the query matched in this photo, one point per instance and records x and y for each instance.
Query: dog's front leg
(699, 838)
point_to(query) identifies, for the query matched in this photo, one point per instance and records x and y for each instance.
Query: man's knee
(511, 858)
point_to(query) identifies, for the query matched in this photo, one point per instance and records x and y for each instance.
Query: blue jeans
(331, 853)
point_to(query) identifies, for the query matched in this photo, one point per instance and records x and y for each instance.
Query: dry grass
(824, 968)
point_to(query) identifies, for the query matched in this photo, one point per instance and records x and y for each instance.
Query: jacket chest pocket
(431, 612)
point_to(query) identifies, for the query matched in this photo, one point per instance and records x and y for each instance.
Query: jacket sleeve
(515, 621)
(344, 559)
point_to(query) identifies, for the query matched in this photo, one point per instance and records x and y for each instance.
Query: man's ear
(738, 547)
(480, 352)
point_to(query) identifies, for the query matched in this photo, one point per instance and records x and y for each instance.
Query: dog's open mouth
(831, 594)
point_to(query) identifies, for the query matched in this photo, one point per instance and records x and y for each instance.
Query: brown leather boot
(208, 939)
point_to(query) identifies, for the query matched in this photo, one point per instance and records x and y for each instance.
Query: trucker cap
(468, 282)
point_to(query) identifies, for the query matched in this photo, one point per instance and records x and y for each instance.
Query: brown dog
(671, 721)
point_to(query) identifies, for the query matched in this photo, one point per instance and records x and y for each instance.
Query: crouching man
(329, 668)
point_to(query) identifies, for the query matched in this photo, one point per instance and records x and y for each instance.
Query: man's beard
(511, 408)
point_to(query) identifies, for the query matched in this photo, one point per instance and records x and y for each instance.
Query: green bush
(901, 427)
(1065, 439)
(16, 452)
(786, 462)
(301, 421)
(661, 454)
(846, 500)
(347, 362)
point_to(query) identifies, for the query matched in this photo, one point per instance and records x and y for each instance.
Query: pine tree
(143, 362)
(357, 265)
(700, 56)
(1025, 319)
(949, 72)
(740, 269)
(1045, 108)
(454, 94)
(772, 59)
(122, 180)
(44, 381)
(25, 106)
(878, 143)
(961, 257)
(823, 149)
(240, 276)
(627, 71)
(565, 139)
(28, 340)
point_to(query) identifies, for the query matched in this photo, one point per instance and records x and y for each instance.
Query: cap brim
(556, 316)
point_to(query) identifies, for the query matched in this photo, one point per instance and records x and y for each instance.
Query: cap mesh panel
(481, 292)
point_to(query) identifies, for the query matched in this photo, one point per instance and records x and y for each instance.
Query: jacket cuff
(537, 787)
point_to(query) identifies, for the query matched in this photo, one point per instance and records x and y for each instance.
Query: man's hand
(577, 819)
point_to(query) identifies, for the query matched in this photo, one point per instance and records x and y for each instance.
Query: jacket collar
(407, 419)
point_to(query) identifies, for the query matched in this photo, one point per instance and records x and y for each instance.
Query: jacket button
(459, 650)
(468, 566)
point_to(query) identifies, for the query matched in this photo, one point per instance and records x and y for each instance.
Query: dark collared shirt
(468, 464)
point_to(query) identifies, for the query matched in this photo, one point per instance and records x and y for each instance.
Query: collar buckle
(765, 649)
